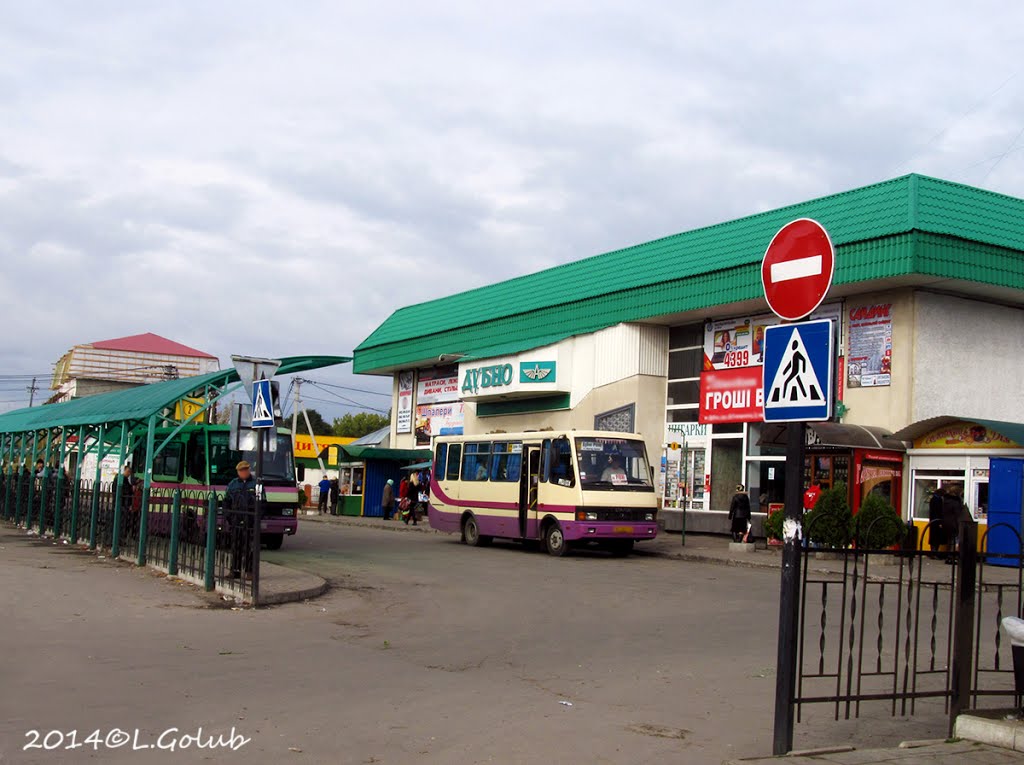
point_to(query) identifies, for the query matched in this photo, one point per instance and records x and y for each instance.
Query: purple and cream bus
(562, 488)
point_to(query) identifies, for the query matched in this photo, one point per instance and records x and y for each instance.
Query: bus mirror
(300, 472)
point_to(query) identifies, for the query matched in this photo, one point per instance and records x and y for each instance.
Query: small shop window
(686, 336)
(683, 415)
(685, 364)
(687, 392)
(475, 461)
(454, 460)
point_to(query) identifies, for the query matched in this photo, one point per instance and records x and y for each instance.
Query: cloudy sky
(276, 178)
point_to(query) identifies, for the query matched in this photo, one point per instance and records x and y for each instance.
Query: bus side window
(440, 460)
(545, 452)
(454, 461)
(475, 461)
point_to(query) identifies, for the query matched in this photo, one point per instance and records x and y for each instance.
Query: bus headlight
(288, 511)
(649, 517)
(591, 516)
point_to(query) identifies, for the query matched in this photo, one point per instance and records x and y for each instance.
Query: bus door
(528, 485)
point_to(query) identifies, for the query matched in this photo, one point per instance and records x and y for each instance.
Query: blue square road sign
(799, 368)
(262, 404)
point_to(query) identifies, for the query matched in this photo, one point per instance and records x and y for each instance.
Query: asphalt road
(423, 650)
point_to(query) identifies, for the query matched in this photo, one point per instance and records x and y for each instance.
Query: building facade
(665, 339)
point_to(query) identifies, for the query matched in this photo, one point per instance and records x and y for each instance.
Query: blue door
(1005, 510)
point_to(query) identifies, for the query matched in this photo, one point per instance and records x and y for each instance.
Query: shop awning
(837, 434)
(1011, 430)
(362, 453)
(419, 466)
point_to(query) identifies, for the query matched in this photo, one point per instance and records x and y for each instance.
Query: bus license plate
(623, 530)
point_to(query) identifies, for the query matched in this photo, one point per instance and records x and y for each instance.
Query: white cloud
(168, 167)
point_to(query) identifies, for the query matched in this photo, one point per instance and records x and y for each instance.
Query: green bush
(877, 525)
(773, 525)
(828, 524)
(302, 498)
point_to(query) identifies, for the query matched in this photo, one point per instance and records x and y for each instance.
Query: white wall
(968, 359)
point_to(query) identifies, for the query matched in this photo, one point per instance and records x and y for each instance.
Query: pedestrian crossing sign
(262, 404)
(799, 371)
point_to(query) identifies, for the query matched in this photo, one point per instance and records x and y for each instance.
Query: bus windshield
(613, 464)
(277, 464)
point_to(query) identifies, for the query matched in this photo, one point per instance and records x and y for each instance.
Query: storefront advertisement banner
(965, 435)
(439, 420)
(403, 418)
(739, 342)
(869, 354)
(731, 395)
(438, 385)
(686, 432)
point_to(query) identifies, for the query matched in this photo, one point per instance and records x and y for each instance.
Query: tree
(318, 423)
(360, 424)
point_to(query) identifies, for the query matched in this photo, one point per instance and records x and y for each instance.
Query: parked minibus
(562, 488)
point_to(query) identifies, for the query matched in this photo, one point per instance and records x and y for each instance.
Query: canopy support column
(32, 481)
(19, 473)
(10, 474)
(43, 483)
(58, 500)
(146, 483)
(115, 544)
(76, 494)
(94, 518)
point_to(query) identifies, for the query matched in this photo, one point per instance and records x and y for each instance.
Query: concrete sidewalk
(278, 584)
(954, 753)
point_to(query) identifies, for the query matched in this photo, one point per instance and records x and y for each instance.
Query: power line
(347, 405)
(345, 387)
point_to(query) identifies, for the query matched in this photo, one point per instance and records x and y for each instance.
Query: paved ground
(422, 650)
(951, 753)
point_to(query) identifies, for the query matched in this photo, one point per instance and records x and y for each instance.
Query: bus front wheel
(471, 534)
(554, 541)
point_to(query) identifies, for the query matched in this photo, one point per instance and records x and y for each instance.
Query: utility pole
(32, 392)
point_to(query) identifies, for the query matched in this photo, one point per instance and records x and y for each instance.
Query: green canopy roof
(908, 230)
(138, 404)
(362, 453)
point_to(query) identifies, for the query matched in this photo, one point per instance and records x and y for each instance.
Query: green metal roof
(360, 453)
(138, 404)
(909, 225)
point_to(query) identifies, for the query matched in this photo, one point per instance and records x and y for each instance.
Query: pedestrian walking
(325, 494)
(954, 515)
(739, 514)
(387, 501)
(410, 504)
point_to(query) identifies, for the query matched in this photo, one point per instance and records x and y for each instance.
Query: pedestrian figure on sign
(739, 514)
(240, 512)
(325, 493)
(387, 501)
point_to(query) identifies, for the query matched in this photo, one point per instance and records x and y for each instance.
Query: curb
(294, 596)
(991, 728)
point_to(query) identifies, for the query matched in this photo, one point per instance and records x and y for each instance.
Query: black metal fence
(191, 534)
(895, 627)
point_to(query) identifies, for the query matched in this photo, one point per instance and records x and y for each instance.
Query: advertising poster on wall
(403, 419)
(739, 342)
(869, 354)
(439, 420)
(438, 385)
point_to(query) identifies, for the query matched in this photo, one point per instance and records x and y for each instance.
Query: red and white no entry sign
(797, 269)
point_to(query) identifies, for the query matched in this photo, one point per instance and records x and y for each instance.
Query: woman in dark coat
(739, 514)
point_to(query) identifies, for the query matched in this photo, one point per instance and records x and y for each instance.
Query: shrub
(773, 525)
(877, 525)
(828, 524)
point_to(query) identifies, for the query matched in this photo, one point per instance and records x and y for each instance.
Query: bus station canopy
(140, 403)
(363, 453)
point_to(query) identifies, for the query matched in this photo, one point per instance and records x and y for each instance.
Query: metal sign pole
(257, 523)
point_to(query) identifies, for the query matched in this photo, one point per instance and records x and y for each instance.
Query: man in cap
(240, 504)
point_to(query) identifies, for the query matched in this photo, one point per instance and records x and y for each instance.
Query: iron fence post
(789, 596)
(211, 541)
(58, 500)
(19, 475)
(10, 475)
(963, 635)
(172, 562)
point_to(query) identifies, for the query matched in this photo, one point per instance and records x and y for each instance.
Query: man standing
(937, 536)
(240, 504)
(325, 493)
(387, 501)
(954, 514)
(739, 514)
